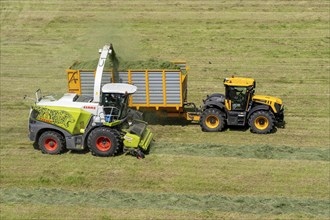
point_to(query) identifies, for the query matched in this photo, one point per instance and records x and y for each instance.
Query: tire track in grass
(167, 201)
(258, 152)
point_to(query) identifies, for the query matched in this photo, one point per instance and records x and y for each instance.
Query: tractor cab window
(238, 96)
(114, 106)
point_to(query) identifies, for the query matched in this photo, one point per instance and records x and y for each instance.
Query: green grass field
(188, 174)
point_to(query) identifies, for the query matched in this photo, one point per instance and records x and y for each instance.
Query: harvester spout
(105, 51)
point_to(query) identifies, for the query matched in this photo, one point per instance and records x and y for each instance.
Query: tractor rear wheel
(51, 142)
(262, 122)
(104, 142)
(212, 120)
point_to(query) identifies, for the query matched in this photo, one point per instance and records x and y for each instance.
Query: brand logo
(89, 107)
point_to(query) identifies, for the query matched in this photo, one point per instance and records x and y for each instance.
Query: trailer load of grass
(161, 85)
(120, 64)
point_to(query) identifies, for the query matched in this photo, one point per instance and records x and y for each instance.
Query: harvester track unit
(102, 122)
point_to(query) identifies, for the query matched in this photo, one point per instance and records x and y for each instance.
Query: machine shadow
(85, 151)
(237, 128)
(245, 128)
(155, 119)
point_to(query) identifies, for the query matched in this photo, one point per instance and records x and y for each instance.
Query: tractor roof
(239, 81)
(121, 88)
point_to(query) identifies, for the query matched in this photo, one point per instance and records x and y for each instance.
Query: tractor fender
(91, 126)
(258, 108)
(39, 127)
(216, 95)
(213, 104)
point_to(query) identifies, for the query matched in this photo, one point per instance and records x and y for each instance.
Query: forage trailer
(165, 91)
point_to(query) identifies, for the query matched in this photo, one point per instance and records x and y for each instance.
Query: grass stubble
(188, 174)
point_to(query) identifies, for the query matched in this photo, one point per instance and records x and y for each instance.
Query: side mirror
(38, 95)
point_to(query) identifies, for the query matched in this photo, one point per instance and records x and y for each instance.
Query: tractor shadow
(245, 128)
(77, 152)
(236, 128)
(155, 119)
(87, 151)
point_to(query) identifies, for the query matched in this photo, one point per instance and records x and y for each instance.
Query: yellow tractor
(241, 107)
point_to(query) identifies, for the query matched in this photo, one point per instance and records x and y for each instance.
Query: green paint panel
(146, 139)
(131, 140)
(70, 119)
(112, 124)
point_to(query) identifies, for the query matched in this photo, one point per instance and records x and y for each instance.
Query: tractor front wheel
(51, 142)
(262, 122)
(212, 120)
(104, 142)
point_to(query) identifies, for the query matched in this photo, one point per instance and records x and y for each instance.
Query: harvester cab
(99, 123)
(241, 107)
(114, 100)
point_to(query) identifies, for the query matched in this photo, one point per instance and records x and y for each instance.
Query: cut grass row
(183, 5)
(47, 211)
(282, 44)
(168, 173)
(168, 201)
(255, 151)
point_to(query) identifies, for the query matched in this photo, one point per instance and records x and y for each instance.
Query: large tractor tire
(104, 142)
(51, 142)
(262, 122)
(212, 120)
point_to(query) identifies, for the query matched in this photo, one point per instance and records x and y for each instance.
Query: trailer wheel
(262, 122)
(104, 142)
(51, 142)
(212, 120)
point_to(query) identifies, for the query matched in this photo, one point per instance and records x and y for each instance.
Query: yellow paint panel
(228, 104)
(74, 85)
(164, 87)
(268, 100)
(239, 81)
(147, 87)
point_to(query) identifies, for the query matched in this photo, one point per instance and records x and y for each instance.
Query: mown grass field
(188, 174)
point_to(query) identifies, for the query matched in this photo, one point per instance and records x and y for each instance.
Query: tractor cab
(114, 100)
(238, 93)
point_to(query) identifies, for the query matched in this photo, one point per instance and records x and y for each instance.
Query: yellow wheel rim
(261, 123)
(212, 121)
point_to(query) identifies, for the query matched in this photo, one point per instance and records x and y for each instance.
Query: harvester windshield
(115, 106)
(238, 96)
(115, 100)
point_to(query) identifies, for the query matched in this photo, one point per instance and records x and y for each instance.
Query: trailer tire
(104, 142)
(51, 142)
(262, 122)
(212, 120)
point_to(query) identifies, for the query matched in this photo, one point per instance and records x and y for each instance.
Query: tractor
(241, 107)
(103, 123)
